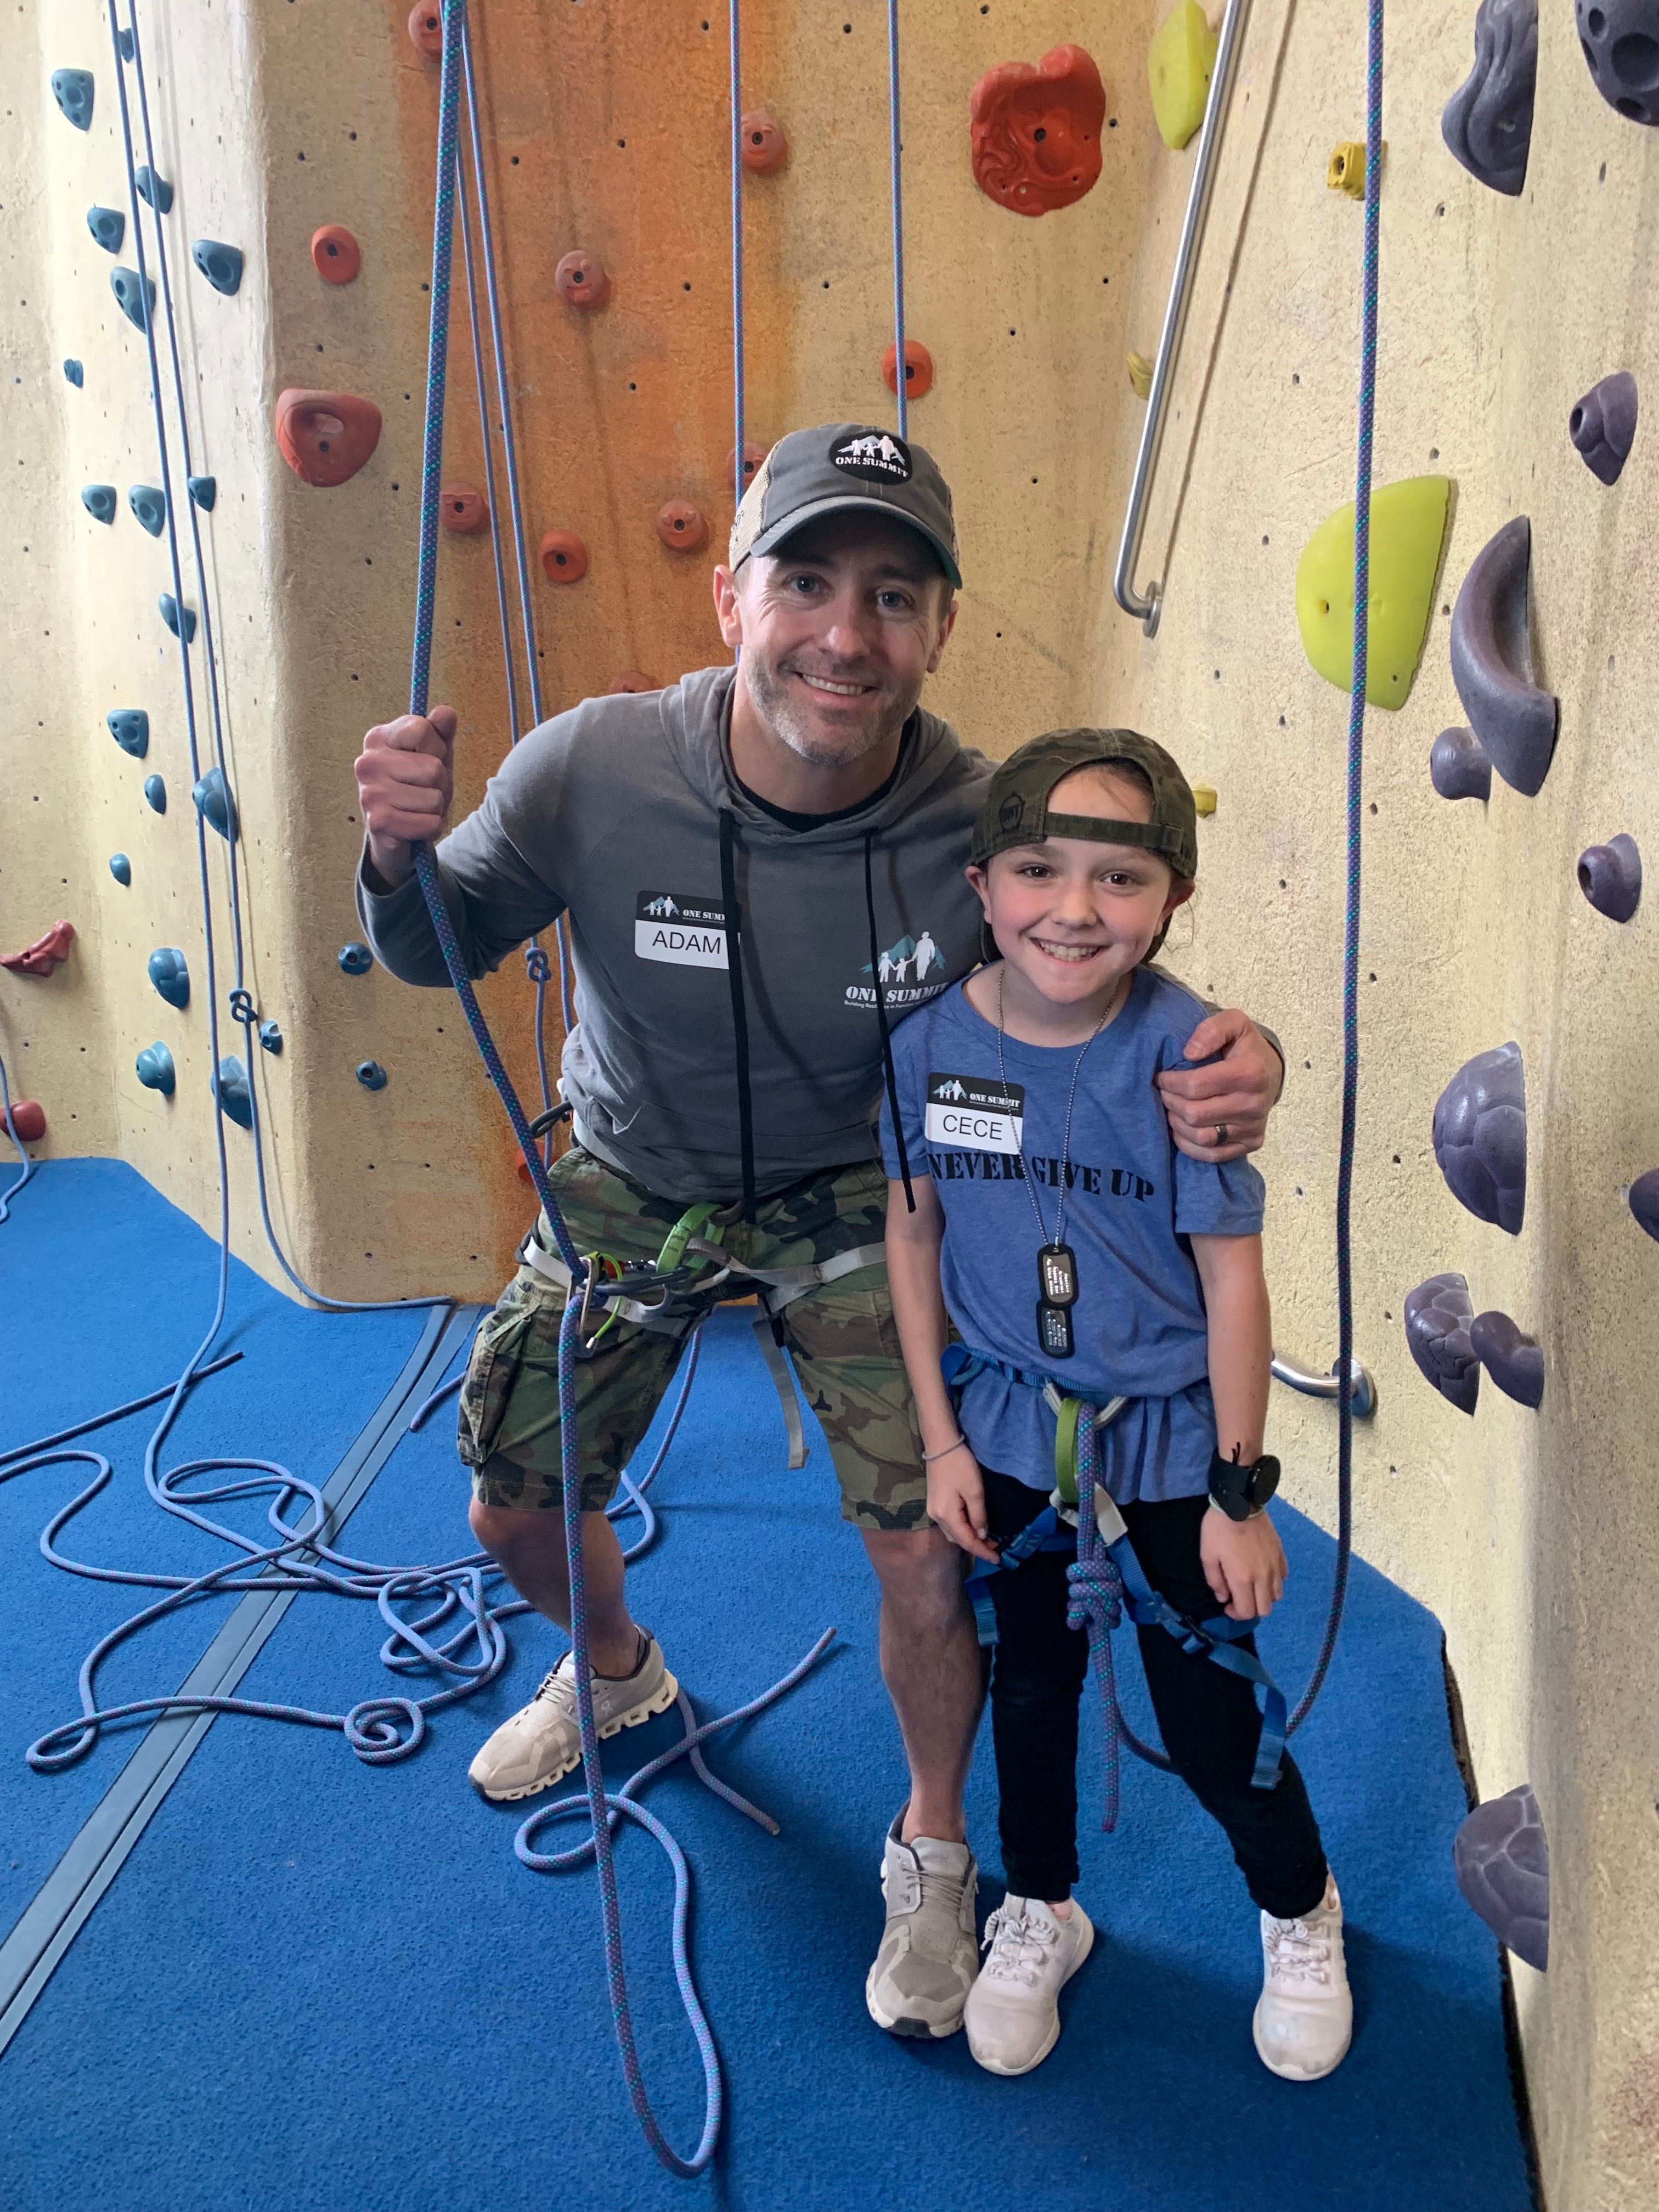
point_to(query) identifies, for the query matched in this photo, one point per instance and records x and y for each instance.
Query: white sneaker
(1013, 2008)
(1304, 2016)
(924, 1965)
(542, 1743)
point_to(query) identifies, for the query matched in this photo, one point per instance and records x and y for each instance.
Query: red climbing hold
(632, 679)
(426, 27)
(28, 1120)
(326, 436)
(564, 557)
(918, 369)
(46, 954)
(580, 278)
(1035, 131)
(336, 253)
(682, 527)
(461, 509)
(752, 458)
(764, 146)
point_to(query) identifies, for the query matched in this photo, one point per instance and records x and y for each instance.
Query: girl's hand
(1243, 1563)
(956, 1503)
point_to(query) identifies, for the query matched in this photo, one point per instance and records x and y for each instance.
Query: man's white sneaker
(1013, 2008)
(542, 1742)
(1304, 2016)
(924, 1968)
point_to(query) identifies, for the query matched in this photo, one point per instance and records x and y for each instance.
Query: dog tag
(1054, 1330)
(1057, 1275)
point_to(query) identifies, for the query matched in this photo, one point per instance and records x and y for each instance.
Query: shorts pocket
(492, 1372)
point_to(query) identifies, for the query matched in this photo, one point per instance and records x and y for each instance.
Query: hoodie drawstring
(881, 1022)
(739, 1011)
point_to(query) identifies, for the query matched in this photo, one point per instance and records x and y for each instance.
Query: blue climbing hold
(230, 1089)
(136, 294)
(123, 39)
(75, 374)
(270, 1037)
(204, 490)
(155, 1069)
(356, 959)
(120, 867)
(170, 975)
(170, 616)
(72, 90)
(99, 500)
(1501, 1859)
(155, 191)
(156, 791)
(129, 727)
(150, 503)
(220, 263)
(215, 804)
(109, 225)
(371, 1075)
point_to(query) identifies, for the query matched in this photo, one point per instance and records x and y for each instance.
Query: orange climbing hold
(580, 278)
(1035, 131)
(632, 679)
(918, 369)
(682, 527)
(45, 954)
(461, 509)
(336, 253)
(426, 27)
(326, 437)
(764, 146)
(564, 557)
(752, 458)
(28, 1120)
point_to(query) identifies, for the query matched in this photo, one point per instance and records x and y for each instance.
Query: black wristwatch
(1242, 1492)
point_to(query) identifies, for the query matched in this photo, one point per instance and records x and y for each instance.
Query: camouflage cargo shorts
(841, 1336)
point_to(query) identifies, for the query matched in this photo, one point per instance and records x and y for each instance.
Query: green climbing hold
(99, 502)
(150, 503)
(1408, 528)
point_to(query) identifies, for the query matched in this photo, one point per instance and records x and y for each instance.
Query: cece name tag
(969, 1113)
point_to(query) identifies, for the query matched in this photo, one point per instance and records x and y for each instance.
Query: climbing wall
(1526, 1529)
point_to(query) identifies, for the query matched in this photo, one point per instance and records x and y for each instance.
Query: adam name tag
(968, 1112)
(690, 933)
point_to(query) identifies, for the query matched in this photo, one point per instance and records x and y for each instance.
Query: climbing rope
(29, 1164)
(735, 13)
(895, 152)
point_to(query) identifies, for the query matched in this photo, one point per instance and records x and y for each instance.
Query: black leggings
(1208, 1717)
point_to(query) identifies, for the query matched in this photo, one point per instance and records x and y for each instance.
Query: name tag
(966, 1112)
(688, 933)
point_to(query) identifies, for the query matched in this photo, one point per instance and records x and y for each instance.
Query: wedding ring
(1221, 1132)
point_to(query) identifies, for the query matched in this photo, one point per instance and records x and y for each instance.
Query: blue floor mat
(321, 1985)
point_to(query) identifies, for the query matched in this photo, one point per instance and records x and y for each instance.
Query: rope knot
(536, 965)
(241, 1008)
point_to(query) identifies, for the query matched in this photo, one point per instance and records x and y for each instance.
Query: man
(751, 863)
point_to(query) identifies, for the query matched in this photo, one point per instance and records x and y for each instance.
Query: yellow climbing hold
(1178, 65)
(1345, 170)
(1203, 798)
(1408, 524)
(1141, 374)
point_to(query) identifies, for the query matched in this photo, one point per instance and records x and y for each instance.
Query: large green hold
(1408, 526)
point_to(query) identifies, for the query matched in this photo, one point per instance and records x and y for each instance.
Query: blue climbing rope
(29, 1162)
(735, 17)
(896, 152)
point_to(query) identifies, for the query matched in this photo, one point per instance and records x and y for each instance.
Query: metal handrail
(1362, 1390)
(1174, 320)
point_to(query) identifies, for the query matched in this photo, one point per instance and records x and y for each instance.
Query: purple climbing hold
(1501, 1857)
(1514, 1360)
(1458, 767)
(1645, 1201)
(1603, 425)
(1487, 122)
(72, 89)
(1610, 876)
(109, 225)
(1620, 40)
(1480, 1137)
(1491, 661)
(1437, 1316)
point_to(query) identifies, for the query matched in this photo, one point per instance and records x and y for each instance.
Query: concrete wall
(1528, 1534)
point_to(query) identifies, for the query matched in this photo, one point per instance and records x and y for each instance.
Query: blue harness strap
(1106, 1581)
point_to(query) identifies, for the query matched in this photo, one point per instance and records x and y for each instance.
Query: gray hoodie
(613, 812)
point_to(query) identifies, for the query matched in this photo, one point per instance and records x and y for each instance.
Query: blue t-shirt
(1132, 1202)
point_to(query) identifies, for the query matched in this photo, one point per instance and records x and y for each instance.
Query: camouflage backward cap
(1016, 809)
(842, 466)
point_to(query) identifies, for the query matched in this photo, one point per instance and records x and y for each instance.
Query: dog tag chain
(1056, 1261)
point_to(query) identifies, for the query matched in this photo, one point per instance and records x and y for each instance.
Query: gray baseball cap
(842, 467)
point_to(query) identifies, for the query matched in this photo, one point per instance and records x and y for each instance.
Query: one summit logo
(874, 454)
